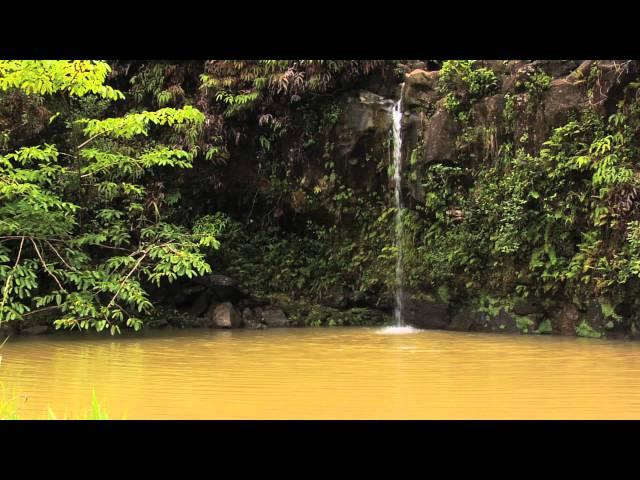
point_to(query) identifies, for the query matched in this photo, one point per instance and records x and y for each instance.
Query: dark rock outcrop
(426, 313)
(464, 319)
(565, 320)
(364, 115)
(250, 319)
(35, 330)
(528, 307)
(420, 89)
(439, 138)
(222, 288)
(273, 317)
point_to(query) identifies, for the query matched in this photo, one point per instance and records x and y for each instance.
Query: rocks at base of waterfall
(224, 315)
(464, 319)
(469, 319)
(384, 303)
(272, 317)
(426, 312)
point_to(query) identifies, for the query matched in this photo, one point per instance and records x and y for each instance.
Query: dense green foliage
(118, 178)
(462, 84)
(559, 222)
(79, 232)
(90, 213)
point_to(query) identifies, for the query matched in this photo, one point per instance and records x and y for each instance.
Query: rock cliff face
(529, 100)
(333, 169)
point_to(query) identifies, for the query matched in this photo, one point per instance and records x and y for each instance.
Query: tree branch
(44, 264)
(124, 280)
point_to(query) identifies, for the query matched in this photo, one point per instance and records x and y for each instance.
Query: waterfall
(396, 153)
(397, 182)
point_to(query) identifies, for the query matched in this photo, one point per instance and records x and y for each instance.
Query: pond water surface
(323, 373)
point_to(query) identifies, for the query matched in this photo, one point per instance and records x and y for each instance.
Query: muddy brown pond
(324, 373)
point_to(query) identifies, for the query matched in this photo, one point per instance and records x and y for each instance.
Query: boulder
(250, 319)
(224, 315)
(558, 102)
(488, 110)
(363, 116)
(426, 313)
(556, 68)
(439, 138)
(274, 317)
(565, 320)
(464, 319)
(420, 88)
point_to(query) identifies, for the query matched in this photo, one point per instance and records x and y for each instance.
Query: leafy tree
(81, 231)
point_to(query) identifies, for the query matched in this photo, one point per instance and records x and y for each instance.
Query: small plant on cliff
(537, 83)
(463, 84)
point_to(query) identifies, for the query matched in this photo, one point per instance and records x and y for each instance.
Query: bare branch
(60, 256)
(44, 264)
(124, 280)
(89, 140)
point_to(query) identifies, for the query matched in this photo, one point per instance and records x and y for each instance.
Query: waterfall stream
(397, 182)
(399, 325)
